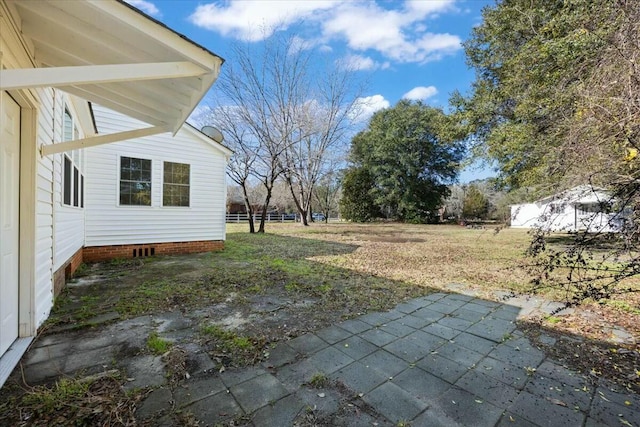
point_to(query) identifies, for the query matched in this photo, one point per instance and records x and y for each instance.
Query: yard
(293, 279)
(265, 289)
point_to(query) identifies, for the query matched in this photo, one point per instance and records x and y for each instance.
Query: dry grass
(424, 255)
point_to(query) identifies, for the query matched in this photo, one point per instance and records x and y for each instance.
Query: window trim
(76, 189)
(162, 203)
(119, 181)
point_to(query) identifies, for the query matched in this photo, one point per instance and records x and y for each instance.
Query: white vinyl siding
(69, 217)
(110, 223)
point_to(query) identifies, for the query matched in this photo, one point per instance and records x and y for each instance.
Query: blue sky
(405, 49)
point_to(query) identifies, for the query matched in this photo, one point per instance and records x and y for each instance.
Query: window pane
(175, 191)
(67, 126)
(82, 191)
(66, 185)
(76, 187)
(135, 181)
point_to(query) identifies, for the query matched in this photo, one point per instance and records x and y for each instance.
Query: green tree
(532, 59)
(475, 204)
(410, 155)
(357, 202)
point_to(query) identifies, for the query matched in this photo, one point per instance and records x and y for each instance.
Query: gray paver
(280, 413)
(354, 326)
(199, 389)
(231, 377)
(394, 403)
(385, 363)
(398, 328)
(468, 409)
(556, 383)
(480, 310)
(280, 355)
(44, 353)
(446, 306)
(544, 413)
(471, 315)
(512, 375)
(442, 367)
(333, 334)
(374, 319)
(441, 331)
(307, 344)
(455, 323)
(428, 314)
(415, 321)
(474, 343)
(215, 409)
(146, 371)
(356, 347)
(610, 413)
(330, 360)
(406, 349)
(526, 359)
(378, 337)
(296, 374)
(258, 392)
(492, 328)
(487, 388)
(409, 306)
(157, 401)
(425, 340)
(359, 378)
(459, 354)
(421, 384)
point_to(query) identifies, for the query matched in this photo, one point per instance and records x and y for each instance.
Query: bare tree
(327, 194)
(296, 107)
(242, 163)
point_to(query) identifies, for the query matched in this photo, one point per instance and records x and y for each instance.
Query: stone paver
(439, 360)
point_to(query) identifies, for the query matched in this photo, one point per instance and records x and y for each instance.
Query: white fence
(243, 217)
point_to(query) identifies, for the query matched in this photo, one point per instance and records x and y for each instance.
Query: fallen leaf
(321, 395)
(557, 402)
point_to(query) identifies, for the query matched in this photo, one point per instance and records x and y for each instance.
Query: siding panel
(107, 223)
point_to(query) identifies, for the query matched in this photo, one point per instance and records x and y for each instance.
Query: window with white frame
(72, 176)
(135, 181)
(176, 184)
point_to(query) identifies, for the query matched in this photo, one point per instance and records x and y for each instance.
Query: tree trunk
(265, 207)
(249, 209)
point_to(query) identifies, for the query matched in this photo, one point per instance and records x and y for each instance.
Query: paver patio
(440, 360)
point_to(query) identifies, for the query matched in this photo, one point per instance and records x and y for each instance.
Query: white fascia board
(14, 79)
(61, 147)
(160, 34)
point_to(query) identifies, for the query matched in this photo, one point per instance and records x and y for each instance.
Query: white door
(9, 219)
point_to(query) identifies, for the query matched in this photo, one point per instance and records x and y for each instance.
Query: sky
(408, 49)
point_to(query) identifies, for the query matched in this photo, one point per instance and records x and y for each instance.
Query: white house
(582, 208)
(55, 57)
(160, 194)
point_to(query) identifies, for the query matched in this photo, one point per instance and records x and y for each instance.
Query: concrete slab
(145, 371)
(468, 409)
(258, 392)
(487, 388)
(333, 334)
(544, 413)
(330, 360)
(194, 390)
(356, 347)
(394, 403)
(441, 331)
(421, 384)
(216, 409)
(459, 354)
(398, 328)
(442, 367)
(355, 326)
(472, 342)
(281, 413)
(385, 363)
(378, 337)
(359, 378)
(281, 355)
(307, 344)
(506, 373)
(526, 359)
(156, 403)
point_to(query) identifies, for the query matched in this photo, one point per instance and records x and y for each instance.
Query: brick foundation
(66, 271)
(105, 253)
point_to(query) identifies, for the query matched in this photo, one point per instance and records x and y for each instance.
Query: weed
(319, 380)
(623, 306)
(506, 337)
(403, 423)
(228, 340)
(553, 319)
(157, 345)
(56, 397)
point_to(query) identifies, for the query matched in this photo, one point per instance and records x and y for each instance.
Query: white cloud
(398, 34)
(364, 107)
(253, 20)
(360, 62)
(421, 93)
(145, 6)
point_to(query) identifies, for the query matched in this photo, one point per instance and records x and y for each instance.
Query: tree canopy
(531, 106)
(401, 164)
